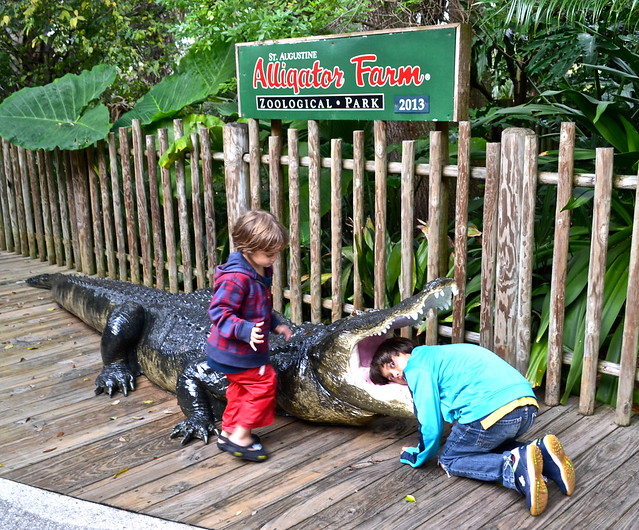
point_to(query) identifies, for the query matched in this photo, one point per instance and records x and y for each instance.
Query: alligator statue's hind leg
(200, 392)
(122, 332)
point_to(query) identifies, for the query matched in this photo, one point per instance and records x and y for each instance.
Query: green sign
(408, 74)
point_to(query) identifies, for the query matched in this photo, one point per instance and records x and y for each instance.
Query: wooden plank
(299, 492)
(169, 221)
(236, 177)
(461, 230)
(434, 220)
(6, 193)
(82, 204)
(183, 213)
(508, 242)
(336, 228)
(381, 175)
(628, 363)
(144, 235)
(96, 218)
(46, 207)
(254, 163)
(526, 254)
(196, 202)
(209, 204)
(107, 212)
(489, 247)
(295, 266)
(130, 220)
(56, 226)
(156, 216)
(560, 264)
(596, 276)
(276, 201)
(118, 221)
(359, 164)
(407, 241)
(38, 213)
(314, 169)
(61, 179)
(27, 207)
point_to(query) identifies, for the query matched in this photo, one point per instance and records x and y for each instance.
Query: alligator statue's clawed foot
(114, 377)
(194, 428)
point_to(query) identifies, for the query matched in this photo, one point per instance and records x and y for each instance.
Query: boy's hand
(283, 329)
(257, 336)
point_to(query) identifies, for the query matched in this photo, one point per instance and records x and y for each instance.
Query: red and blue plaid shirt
(241, 298)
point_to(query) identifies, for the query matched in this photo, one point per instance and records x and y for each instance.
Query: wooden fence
(98, 211)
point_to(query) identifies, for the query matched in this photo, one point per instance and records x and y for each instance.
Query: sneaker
(527, 464)
(557, 466)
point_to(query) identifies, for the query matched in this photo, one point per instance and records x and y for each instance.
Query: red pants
(250, 399)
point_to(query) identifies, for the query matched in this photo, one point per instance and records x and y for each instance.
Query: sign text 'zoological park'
(409, 74)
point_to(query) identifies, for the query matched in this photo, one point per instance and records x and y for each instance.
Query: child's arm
(427, 405)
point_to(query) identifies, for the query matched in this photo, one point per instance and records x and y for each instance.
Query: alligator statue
(322, 370)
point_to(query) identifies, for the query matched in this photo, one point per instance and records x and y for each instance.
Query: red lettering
(377, 76)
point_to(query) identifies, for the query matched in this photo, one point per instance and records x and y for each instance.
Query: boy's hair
(384, 355)
(258, 230)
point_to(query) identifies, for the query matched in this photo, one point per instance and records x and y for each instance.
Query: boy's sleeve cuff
(409, 458)
(244, 331)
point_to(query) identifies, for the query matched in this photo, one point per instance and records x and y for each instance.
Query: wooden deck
(57, 435)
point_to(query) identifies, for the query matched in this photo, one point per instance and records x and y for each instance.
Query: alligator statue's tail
(43, 281)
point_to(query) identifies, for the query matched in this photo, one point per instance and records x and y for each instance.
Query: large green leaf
(61, 114)
(200, 75)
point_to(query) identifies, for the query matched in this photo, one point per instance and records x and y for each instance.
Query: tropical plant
(62, 114)
(41, 41)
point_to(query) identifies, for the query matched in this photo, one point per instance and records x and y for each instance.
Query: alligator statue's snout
(322, 369)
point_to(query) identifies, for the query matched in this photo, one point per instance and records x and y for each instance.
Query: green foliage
(41, 40)
(200, 74)
(62, 114)
(206, 22)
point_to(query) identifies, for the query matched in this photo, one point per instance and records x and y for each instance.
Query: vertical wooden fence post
(596, 277)
(489, 247)
(434, 247)
(407, 222)
(209, 203)
(314, 206)
(509, 277)
(82, 210)
(255, 162)
(559, 265)
(359, 165)
(276, 198)
(381, 174)
(236, 172)
(295, 282)
(141, 203)
(183, 212)
(336, 228)
(461, 230)
(631, 327)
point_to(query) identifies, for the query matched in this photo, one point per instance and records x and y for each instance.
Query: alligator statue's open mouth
(409, 313)
(342, 358)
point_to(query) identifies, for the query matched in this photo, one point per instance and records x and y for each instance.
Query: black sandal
(254, 452)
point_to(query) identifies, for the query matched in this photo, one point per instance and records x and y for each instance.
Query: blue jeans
(484, 454)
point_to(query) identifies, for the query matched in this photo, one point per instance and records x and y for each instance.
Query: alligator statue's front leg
(200, 393)
(122, 332)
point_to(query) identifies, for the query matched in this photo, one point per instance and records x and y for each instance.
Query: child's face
(394, 370)
(262, 259)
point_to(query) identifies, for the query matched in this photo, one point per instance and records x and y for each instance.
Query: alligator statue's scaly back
(322, 369)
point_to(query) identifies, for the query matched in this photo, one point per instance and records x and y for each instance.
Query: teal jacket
(456, 382)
